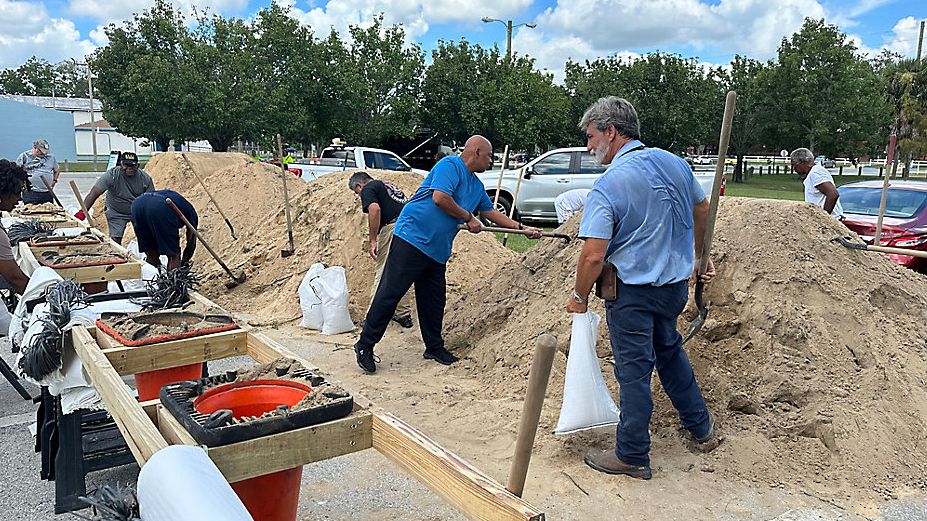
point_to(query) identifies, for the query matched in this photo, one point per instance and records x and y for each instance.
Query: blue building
(22, 123)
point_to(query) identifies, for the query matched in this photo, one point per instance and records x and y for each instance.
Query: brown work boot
(606, 461)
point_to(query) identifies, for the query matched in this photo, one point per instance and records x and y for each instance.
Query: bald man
(422, 241)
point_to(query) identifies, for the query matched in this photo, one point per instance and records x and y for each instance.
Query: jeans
(407, 265)
(642, 327)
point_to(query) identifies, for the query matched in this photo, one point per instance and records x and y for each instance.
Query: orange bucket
(274, 496)
(149, 383)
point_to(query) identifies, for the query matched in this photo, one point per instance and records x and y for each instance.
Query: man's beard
(600, 152)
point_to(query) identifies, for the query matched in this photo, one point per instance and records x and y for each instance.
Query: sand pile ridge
(813, 359)
(328, 227)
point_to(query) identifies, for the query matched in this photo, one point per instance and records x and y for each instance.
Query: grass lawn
(519, 243)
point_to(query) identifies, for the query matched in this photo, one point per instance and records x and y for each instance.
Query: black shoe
(442, 356)
(405, 322)
(365, 359)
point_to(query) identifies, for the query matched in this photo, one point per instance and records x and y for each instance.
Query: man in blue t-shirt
(157, 227)
(646, 216)
(421, 246)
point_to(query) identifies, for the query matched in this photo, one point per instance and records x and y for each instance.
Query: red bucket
(149, 383)
(274, 496)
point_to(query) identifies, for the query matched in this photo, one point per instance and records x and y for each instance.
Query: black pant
(33, 197)
(405, 266)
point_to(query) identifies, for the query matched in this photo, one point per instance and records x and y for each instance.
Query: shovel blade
(697, 324)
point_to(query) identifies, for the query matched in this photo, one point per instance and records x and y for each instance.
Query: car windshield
(900, 203)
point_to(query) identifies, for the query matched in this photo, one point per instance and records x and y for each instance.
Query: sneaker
(405, 322)
(606, 461)
(442, 356)
(711, 431)
(365, 359)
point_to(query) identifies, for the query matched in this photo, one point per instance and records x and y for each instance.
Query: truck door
(544, 181)
(589, 170)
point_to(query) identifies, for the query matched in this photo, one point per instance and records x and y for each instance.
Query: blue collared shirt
(429, 228)
(643, 206)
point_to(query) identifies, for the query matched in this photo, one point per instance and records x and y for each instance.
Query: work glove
(80, 215)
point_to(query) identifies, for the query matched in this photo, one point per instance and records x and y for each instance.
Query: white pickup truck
(548, 176)
(339, 158)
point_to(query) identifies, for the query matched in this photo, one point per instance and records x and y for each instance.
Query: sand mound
(328, 227)
(173, 170)
(813, 359)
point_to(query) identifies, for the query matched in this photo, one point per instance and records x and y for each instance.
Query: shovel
(552, 235)
(213, 199)
(51, 191)
(700, 302)
(237, 278)
(286, 203)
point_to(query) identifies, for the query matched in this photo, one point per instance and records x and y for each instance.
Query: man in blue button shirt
(422, 241)
(645, 216)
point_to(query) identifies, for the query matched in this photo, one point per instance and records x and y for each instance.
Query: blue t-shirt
(643, 205)
(427, 227)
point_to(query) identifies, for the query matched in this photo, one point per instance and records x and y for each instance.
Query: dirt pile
(813, 358)
(174, 171)
(328, 227)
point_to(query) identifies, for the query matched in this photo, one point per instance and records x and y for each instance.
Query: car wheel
(504, 205)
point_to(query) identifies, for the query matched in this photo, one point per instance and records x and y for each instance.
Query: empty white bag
(309, 300)
(587, 402)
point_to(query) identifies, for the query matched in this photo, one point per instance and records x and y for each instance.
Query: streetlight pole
(508, 33)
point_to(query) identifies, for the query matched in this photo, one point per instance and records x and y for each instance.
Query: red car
(905, 222)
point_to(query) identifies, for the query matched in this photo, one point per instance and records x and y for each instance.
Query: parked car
(825, 161)
(339, 157)
(905, 221)
(548, 176)
(703, 160)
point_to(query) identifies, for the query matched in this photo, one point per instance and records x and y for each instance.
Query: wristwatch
(578, 299)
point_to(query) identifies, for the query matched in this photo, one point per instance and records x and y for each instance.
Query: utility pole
(920, 42)
(93, 121)
(508, 33)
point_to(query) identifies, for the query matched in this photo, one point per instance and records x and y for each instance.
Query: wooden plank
(172, 430)
(163, 355)
(126, 271)
(474, 494)
(27, 261)
(136, 427)
(151, 409)
(248, 459)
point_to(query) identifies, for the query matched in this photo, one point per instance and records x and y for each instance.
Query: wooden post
(877, 238)
(860, 170)
(505, 159)
(881, 168)
(531, 412)
(80, 201)
(840, 171)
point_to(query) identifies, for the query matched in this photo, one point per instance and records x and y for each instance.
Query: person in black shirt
(382, 202)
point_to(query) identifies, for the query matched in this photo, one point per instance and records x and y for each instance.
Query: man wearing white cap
(41, 166)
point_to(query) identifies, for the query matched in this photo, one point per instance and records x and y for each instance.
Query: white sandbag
(5, 319)
(332, 286)
(309, 300)
(181, 483)
(587, 403)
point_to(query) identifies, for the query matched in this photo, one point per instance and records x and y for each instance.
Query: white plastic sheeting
(587, 402)
(181, 483)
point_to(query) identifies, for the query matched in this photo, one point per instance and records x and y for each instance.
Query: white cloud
(111, 11)
(36, 33)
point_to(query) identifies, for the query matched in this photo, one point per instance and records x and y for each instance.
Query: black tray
(178, 399)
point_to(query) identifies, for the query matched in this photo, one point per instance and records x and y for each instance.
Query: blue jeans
(642, 326)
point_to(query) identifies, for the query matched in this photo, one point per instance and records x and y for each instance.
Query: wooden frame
(129, 270)
(148, 427)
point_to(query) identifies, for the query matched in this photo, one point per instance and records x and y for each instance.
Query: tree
(747, 126)
(38, 77)
(472, 90)
(822, 94)
(677, 101)
(144, 78)
(906, 94)
(228, 99)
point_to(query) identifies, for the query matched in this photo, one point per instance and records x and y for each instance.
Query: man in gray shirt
(122, 184)
(41, 166)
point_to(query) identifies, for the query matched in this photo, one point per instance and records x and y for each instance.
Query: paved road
(84, 182)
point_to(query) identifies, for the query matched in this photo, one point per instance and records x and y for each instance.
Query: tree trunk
(738, 170)
(164, 143)
(220, 143)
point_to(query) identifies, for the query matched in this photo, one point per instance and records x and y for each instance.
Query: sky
(712, 31)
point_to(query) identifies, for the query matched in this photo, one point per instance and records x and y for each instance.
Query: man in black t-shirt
(382, 202)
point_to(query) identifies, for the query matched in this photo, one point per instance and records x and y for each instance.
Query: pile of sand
(328, 227)
(813, 359)
(180, 166)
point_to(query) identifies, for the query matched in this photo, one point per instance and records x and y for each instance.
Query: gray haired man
(644, 220)
(41, 166)
(820, 189)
